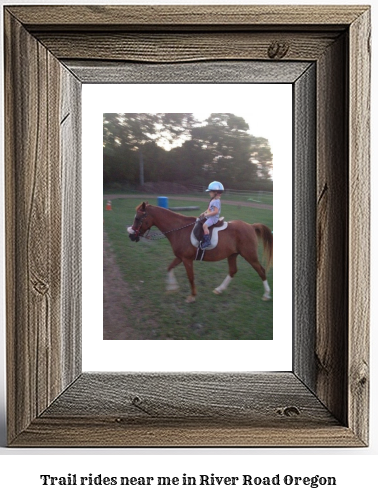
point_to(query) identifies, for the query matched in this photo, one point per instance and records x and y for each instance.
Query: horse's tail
(265, 234)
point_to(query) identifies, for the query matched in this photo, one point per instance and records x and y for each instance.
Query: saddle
(197, 233)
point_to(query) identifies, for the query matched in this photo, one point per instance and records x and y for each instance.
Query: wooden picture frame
(49, 52)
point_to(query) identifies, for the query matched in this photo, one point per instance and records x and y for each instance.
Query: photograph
(196, 259)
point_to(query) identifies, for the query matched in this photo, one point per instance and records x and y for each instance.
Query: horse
(240, 238)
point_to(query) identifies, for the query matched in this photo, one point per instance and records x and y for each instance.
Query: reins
(159, 235)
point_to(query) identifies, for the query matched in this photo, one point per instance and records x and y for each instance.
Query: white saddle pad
(214, 237)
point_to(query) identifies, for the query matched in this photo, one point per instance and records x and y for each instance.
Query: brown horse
(239, 238)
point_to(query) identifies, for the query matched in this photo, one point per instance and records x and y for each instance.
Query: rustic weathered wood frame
(324, 400)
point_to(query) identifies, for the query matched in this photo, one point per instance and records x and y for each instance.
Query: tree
(118, 157)
(226, 144)
(175, 147)
(262, 157)
(136, 130)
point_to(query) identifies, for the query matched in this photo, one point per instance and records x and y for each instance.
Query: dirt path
(145, 196)
(116, 296)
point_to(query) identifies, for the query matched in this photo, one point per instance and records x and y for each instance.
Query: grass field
(239, 313)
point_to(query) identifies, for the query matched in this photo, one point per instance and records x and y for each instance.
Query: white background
(355, 469)
(268, 110)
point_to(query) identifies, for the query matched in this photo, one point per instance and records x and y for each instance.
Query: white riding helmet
(215, 186)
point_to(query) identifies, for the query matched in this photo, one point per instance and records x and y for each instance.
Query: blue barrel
(162, 201)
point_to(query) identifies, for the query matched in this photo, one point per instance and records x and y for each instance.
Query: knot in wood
(288, 411)
(278, 50)
(41, 287)
(136, 400)
(140, 404)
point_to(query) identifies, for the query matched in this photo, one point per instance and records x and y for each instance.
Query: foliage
(175, 147)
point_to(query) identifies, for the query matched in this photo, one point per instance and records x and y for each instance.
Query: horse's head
(142, 222)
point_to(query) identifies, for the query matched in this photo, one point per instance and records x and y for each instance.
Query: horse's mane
(152, 208)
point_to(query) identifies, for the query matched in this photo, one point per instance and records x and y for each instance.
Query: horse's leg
(232, 270)
(261, 272)
(190, 272)
(172, 284)
(253, 260)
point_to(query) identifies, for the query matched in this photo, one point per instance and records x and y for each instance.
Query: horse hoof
(171, 289)
(190, 299)
(216, 291)
(266, 298)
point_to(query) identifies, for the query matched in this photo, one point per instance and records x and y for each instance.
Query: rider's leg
(206, 237)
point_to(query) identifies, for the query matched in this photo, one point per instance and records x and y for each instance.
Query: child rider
(212, 213)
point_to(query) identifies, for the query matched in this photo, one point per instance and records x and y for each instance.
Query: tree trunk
(141, 167)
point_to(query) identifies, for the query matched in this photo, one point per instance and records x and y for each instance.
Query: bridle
(139, 220)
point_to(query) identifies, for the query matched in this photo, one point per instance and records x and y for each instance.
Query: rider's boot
(205, 241)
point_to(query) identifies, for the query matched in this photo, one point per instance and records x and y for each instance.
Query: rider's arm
(213, 211)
